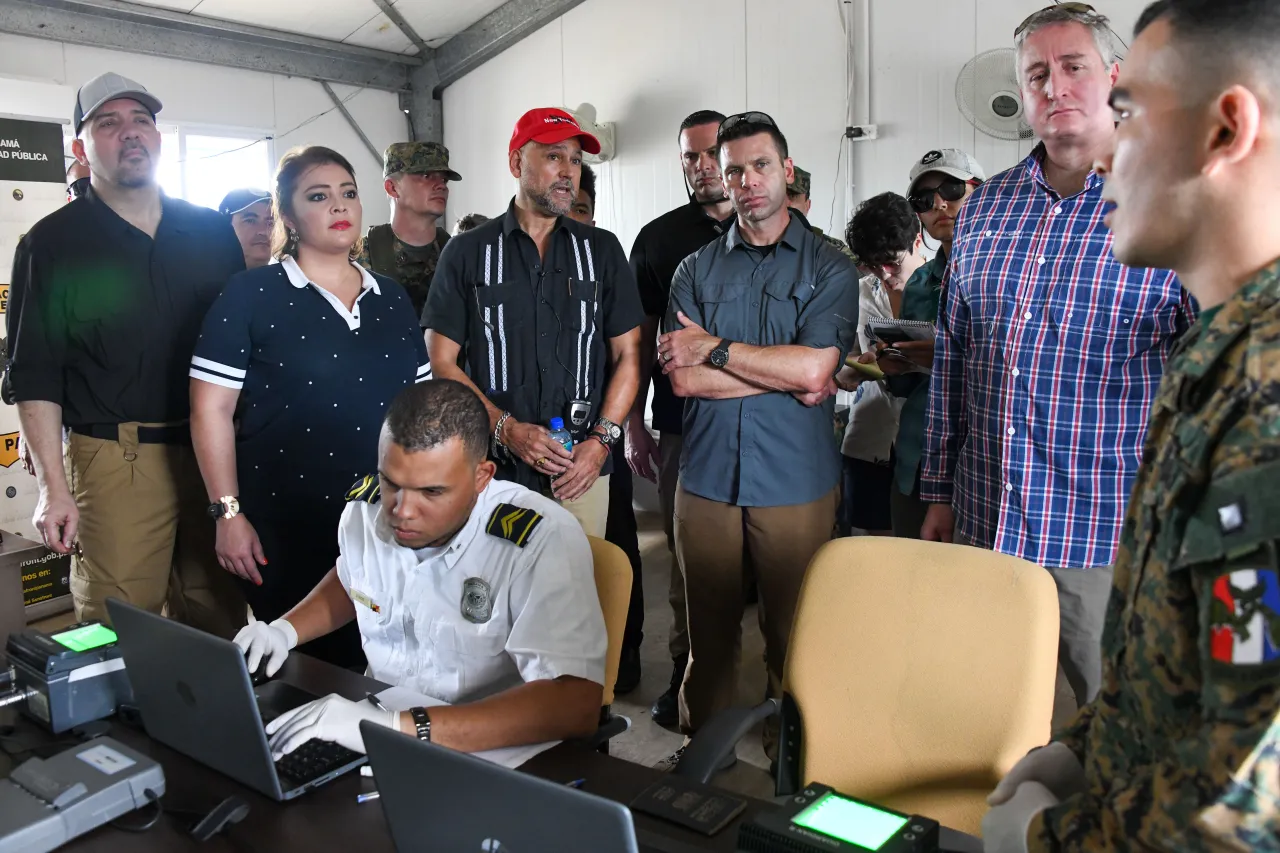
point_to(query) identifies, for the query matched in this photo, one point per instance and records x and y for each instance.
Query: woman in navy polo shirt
(295, 367)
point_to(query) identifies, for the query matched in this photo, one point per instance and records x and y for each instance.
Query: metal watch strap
(422, 721)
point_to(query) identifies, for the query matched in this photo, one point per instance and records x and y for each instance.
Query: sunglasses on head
(951, 189)
(745, 118)
(1077, 8)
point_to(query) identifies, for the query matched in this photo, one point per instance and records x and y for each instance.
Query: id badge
(360, 598)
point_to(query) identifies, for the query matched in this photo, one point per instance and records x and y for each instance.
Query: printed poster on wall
(31, 151)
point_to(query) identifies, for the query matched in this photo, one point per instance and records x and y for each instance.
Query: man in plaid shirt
(1049, 351)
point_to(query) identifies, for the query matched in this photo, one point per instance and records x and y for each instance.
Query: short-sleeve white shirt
(532, 611)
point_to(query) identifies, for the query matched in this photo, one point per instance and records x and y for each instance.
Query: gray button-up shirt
(770, 449)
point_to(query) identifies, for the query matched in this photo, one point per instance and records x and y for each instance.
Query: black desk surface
(329, 818)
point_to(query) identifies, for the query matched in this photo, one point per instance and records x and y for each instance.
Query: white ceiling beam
(134, 28)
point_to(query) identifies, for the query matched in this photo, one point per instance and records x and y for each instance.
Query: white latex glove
(1054, 766)
(1004, 829)
(258, 640)
(331, 718)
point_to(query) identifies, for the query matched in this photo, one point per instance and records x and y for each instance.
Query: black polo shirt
(102, 318)
(315, 381)
(659, 248)
(534, 335)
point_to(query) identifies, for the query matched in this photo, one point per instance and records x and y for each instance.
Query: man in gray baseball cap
(106, 302)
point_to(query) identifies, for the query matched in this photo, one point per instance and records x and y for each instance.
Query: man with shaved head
(530, 309)
(1178, 751)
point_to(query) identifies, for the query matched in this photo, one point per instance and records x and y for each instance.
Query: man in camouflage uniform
(798, 200)
(1192, 641)
(1247, 815)
(416, 179)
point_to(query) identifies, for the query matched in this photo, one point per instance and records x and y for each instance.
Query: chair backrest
(613, 585)
(922, 672)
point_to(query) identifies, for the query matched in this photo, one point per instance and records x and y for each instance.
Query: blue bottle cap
(557, 423)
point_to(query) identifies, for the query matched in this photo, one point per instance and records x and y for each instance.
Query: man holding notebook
(1049, 350)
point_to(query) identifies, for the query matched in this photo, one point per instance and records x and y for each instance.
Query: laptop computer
(450, 802)
(195, 695)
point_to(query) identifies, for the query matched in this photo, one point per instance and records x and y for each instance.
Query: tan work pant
(669, 447)
(145, 536)
(714, 543)
(592, 509)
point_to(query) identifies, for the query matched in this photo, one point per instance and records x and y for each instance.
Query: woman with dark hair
(296, 364)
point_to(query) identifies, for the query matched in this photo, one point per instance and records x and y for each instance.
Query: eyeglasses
(1077, 8)
(745, 118)
(951, 189)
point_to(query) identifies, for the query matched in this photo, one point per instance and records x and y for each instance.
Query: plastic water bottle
(560, 434)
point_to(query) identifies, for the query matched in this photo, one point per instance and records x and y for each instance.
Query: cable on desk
(155, 818)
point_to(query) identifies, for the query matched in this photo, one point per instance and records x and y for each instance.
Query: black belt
(180, 434)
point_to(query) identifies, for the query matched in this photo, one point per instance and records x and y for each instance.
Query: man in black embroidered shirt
(534, 303)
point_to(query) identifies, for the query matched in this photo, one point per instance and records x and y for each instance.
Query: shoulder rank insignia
(366, 489)
(513, 523)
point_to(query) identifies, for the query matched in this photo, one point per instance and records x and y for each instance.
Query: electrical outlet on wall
(862, 132)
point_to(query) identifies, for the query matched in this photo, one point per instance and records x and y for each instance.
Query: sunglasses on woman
(951, 189)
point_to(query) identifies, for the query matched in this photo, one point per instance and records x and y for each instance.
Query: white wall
(645, 66)
(40, 78)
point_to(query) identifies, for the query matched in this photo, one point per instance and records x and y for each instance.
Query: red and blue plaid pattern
(1049, 354)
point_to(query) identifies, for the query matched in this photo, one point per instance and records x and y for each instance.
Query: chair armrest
(717, 739)
(608, 730)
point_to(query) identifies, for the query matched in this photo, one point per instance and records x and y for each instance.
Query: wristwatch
(422, 721)
(228, 508)
(719, 356)
(610, 432)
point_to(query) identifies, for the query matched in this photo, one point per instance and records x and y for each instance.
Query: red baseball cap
(548, 126)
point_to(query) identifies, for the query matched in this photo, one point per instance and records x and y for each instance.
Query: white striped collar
(299, 279)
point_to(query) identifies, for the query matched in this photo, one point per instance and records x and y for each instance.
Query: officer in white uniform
(470, 590)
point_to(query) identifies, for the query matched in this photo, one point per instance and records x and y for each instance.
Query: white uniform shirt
(543, 621)
(873, 411)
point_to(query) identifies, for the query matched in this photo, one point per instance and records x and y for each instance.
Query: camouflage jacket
(412, 266)
(1190, 660)
(839, 244)
(1247, 817)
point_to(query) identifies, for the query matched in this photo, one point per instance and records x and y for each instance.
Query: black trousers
(620, 529)
(300, 552)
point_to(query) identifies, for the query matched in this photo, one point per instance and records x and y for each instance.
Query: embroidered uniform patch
(366, 489)
(1244, 620)
(513, 523)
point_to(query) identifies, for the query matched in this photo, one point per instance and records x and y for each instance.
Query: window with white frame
(202, 165)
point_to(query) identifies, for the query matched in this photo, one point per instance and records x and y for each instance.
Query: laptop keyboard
(313, 760)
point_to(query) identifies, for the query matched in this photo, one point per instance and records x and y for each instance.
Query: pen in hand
(373, 700)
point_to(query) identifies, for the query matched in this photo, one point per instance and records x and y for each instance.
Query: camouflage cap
(417, 158)
(800, 186)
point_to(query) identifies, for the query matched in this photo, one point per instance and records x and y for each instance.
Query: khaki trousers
(145, 536)
(669, 447)
(714, 543)
(592, 509)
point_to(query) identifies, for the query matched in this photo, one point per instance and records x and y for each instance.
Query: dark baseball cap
(238, 200)
(108, 87)
(548, 126)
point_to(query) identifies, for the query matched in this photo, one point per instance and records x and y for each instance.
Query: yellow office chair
(919, 673)
(613, 586)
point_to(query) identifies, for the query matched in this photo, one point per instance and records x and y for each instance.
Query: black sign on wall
(31, 151)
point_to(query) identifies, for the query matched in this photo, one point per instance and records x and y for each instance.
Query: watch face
(719, 357)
